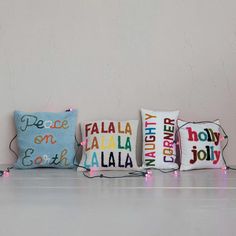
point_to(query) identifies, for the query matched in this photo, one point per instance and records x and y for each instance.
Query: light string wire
(135, 173)
(7, 170)
(10, 146)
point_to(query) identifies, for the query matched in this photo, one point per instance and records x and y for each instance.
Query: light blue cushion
(45, 139)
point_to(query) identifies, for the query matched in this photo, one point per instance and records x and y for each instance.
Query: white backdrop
(109, 58)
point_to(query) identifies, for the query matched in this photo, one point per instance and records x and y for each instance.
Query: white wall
(109, 58)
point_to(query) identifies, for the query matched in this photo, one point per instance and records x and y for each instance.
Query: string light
(176, 173)
(147, 174)
(6, 173)
(147, 177)
(92, 172)
(83, 143)
(222, 138)
(224, 168)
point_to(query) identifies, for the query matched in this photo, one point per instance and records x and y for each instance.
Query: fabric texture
(109, 145)
(159, 150)
(200, 145)
(45, 139)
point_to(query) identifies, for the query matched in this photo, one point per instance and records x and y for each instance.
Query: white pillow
(110, 145)
(159, 150)
(200, 145)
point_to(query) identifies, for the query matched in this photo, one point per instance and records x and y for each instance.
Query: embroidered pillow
(45, 139)
(159, 149)
(109, 145)
(200, 145)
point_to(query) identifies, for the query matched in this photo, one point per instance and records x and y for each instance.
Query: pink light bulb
(176, 173)
(6, 173)
(83, 143)
(149, 172)
(222, 138)
(92, 171)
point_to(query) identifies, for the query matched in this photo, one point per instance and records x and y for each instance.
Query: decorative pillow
(45, 139)
(158, 139)
(200, 145)
(109, 145)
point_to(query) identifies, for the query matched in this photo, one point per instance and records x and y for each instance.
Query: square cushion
(45, 139)
(159, 150)
(200, 145)
(109, 145)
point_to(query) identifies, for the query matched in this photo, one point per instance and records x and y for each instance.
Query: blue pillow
(45, 139)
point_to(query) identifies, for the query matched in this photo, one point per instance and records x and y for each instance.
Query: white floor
(64, 203)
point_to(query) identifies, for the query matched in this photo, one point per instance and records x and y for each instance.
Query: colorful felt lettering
(158, 139)
(109, 145)
(45, 139)
(200, 145)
